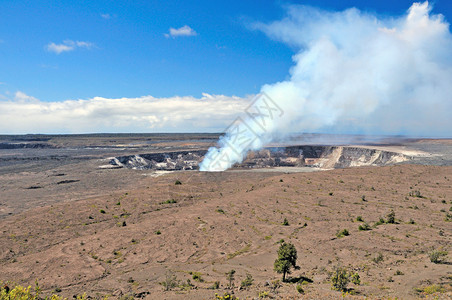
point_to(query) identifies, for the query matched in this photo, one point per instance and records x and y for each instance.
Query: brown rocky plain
(119, 232)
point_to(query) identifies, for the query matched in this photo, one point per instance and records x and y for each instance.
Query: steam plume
(355, 73)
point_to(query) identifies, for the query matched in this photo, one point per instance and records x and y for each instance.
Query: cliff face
(354, 157)
(325, 157)
(171, 161)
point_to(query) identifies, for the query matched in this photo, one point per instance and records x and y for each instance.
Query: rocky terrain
(320, 157)
(76, 226)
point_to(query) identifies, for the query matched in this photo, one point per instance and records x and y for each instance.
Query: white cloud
(68, 45)
(21, 97)
(183, 31)
(210, 113)
(106, 16)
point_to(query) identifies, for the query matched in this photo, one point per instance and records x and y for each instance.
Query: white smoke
(355, 73)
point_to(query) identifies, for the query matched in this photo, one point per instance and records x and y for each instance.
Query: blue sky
(53, 51)
(130, 55)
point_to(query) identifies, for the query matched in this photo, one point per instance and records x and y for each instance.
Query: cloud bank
(355, 72)
(182, 31)
(68, 45)
(210, 113)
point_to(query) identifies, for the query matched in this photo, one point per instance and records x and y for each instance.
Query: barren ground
(109, 232)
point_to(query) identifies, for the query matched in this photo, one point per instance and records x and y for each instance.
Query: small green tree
(287, 258)
(340, 279)
(230, 277)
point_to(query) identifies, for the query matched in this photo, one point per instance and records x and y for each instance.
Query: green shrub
(11, 291)
(432, 289)
(226, 296)
(448, 217)
(248, 281)
(285, 222)
(170, 201)
(197, 276)
(264, 294)
(379, 222)
(300, 289)
(216, 285)
(178, 182)
(390, 217)
(436, 256)
(356, 279)
(342, 233)
(359, 219)
(170, 281)
(364, 227)
(340, 279)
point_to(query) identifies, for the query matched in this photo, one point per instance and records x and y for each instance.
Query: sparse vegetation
(416, 194)
(448, 217)
(230, 278)
(169, 201)
(197, 276)
(178, 182)
(226, 296)
(170, 281)
(215, 243)
(275, 284)
(364, 227)
(380, 222)
(378, 258)
(287, 258)
(18, 292)
(340, 279)
(285, 222)
(390, 217)
(356, 279)
(432, 289)
(342, 233)
(437, 256)
(248, 281)
(300, 289)
(239, 252)
(264, 294)
(216, 285)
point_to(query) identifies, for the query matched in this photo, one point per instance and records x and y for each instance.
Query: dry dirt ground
(123, 240)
